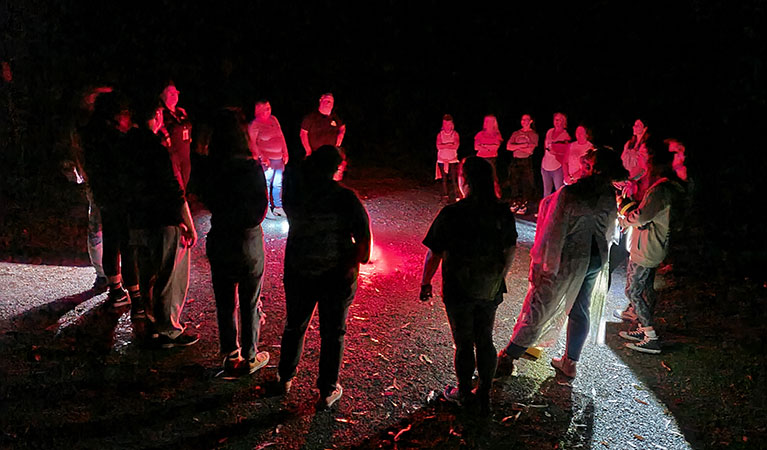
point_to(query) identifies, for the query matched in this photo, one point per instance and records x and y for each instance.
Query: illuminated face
(580, 134)
(326, 105)
(526, 121)
(448, 125)
(587, 164)
(169, 96)
(263, 111)
(559, 121)
(639, 128)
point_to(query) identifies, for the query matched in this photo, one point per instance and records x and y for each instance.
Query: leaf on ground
(665, 366)
(641, 401)
(343, 420)
(404, 326)
(383, 357)
(264, 445)
(636, 436)
(401, 432)
(425, 358)
(360, 318)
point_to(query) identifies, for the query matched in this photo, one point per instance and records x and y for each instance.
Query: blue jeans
(237, 266)
(274, 182)
(552, 180)
(578, 319)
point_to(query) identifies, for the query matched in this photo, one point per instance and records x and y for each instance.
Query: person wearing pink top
(448, 142)
(268, 144)
(555, 146)
(487, 141)
(577, 149)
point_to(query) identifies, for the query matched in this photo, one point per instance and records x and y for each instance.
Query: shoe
(633, 335)
(647, 345)
(514, 207)
(184, 339)
(627, 314)
(522, 210)
(118, 297)
(454, 395)
(278, 211)
(231, 362)
(565, 366)
(505, 367)
(326, 401)
(285, 385)
(100, 284)
(260, 360)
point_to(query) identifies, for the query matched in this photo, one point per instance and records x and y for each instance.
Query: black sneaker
(100, 284)
(633, 335)
(184, 339)
(118, 297)
(647, 345)
(260, 360)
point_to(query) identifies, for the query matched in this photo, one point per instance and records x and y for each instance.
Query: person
(676, 147)
(575, 151)
(555, 146)
(161, 230)
(179, 128)
(106, 155)
(268, 144)
(487, 141)
(235, 193)
(74, 168)
(329, 238)
(568, 267)
(474, 240)
(630, 155)
(322, 127)
(448, 142)
(651, 224)
(522, 144)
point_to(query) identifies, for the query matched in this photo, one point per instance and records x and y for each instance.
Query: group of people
(136, 160)
(605, 203)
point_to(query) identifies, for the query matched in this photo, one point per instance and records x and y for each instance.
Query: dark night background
(691, 69)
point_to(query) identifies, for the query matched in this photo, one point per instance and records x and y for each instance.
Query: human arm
(305, 141)
(253, 139)
(341, 133)
(285, 155)
(651, 205)
(430, 265)
(188, 231)
(361, 233)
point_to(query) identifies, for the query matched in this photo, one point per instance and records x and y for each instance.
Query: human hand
(426, 293)
(188, 236)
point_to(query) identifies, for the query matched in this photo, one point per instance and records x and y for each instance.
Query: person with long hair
(235, 193)
(488, 140)
(522, 144)
(652, 223)
(474, 240)
(630, 155)
(555, 147)
(568, 267)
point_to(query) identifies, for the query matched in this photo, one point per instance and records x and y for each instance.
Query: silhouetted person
(329, 238)
(475, 240)
(162, 231)
(235, 193)
(106, 156)
(179, 128)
